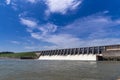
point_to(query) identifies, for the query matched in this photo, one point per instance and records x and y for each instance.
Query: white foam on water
(82, 57)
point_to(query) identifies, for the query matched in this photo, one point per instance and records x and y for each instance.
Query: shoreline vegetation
(20, 55)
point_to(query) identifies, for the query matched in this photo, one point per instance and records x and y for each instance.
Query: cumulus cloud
(62, 6)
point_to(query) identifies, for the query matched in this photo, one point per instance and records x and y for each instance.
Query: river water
(58, 70)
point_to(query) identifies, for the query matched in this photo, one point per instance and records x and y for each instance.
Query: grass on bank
(19, 55)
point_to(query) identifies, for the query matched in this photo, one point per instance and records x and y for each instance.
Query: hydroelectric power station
(94, 53)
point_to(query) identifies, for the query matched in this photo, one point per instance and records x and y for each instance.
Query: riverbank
(22, 55)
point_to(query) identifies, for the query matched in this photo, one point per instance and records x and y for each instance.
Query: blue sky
(30, 25)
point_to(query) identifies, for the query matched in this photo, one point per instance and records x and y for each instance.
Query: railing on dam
(73, 51)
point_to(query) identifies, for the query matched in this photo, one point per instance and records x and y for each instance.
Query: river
(58, 70)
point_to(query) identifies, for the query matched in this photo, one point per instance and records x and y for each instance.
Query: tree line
(6, 52)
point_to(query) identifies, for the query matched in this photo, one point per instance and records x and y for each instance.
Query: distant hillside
(22, 55)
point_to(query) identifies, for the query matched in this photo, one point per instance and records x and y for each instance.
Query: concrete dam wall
(84, 54)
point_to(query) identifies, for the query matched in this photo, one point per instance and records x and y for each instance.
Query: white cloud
(46, 34)
(8, 2)
(94, 30)
(103, 41)
(14, 5)
(94, 26)
(30, 47)
(62, 6)
(31, 1)
(28, 22)
(47, 28)
(15, 42)
(63, 40)
(105, 12)
(60, 40)
(44, 31)
(68, 41)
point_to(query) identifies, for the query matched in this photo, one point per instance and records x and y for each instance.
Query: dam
(93, 53)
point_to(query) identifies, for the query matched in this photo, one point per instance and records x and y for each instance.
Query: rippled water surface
(58, 70)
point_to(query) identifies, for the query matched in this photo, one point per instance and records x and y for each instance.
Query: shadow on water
(58, 70)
